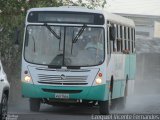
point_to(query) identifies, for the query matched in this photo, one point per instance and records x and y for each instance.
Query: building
(147, 32)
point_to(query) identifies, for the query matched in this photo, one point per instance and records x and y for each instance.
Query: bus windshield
(64, 45)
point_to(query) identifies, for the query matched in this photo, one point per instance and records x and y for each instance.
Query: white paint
(4, 83)
(116, 67)
(89, 73)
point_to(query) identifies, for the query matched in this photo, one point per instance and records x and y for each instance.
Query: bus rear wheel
(122, 103)
(34, 104)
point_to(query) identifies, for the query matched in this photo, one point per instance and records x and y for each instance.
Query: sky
(144, 7)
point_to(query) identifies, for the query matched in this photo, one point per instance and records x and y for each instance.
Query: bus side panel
(132, 67)
(132, 74)
(117, 89)
(127, 73)
(127, 66)
(119, 75)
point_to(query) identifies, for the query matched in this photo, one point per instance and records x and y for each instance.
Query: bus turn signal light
(100, 74)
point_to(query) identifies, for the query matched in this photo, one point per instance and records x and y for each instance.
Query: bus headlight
(98, 81)
(27, 79)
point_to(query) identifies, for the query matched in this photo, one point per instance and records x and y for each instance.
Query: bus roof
(108, 16)
(119, 19)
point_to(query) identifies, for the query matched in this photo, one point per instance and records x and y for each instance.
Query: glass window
(124, 32)
(121, 34)
(46, 45)
(132, 41)
(128, 33)
(117, 31)
(129, 39)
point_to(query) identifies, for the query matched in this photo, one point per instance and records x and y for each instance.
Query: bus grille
(62, 80)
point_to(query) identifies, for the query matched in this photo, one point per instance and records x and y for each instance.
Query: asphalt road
(146, 98)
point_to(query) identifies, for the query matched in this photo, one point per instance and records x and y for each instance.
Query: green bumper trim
(99, 92)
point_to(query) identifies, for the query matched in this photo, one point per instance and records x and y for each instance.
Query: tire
(121, 103)
(104, 106)
(4, 107)
(34, 104)
(114, 104)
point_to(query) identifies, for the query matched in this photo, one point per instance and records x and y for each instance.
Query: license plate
(62, 96)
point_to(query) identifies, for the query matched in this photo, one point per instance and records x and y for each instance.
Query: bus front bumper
(99, 92)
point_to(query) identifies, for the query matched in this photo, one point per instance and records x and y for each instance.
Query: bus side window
(118, 39)
(112, 38)
(132, 38)
(129, 39)
(108, 38)
(117, 31)
(121, 37)
(115, 41)
(125, 38)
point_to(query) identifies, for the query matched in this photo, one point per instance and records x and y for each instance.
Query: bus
(77, 56)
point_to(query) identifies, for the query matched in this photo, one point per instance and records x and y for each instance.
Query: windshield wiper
(52, 31)
(79, 33)
(34, 44)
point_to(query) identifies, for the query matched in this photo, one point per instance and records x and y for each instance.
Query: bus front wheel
(34, 104)
(104, 106)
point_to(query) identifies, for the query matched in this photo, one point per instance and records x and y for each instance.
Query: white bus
(74, 55)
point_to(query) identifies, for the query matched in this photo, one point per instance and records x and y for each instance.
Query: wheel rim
(4, 108)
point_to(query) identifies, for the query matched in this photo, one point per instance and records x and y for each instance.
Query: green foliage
(92, 4)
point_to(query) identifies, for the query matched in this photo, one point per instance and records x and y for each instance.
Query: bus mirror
(112, 33)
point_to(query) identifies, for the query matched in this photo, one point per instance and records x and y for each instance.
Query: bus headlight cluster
(98, 81)
(99, 78)
(27, 79)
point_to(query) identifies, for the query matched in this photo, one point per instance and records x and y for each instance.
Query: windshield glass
(74, 46)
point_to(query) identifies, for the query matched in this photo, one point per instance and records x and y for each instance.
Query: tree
(92, 4)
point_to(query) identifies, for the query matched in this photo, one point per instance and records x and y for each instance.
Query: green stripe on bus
(99, 92)
(130, 66)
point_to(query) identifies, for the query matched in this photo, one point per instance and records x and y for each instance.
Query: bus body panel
(88, 92)
(53, 77)
(132, 73)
